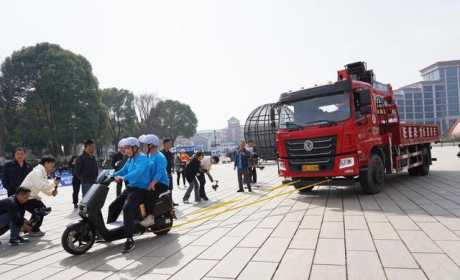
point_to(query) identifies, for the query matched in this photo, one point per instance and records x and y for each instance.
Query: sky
(226, 57)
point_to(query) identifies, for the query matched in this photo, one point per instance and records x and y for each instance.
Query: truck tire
(373, 178)
(301, 185)
(424, 169)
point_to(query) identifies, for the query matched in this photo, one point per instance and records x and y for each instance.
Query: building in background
(234, 133)
(435, 99)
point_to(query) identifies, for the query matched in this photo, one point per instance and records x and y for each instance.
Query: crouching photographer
(37, 182)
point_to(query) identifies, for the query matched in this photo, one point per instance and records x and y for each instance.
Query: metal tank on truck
(350, 129)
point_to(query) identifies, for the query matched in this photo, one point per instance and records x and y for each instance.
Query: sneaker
(129, 246)
(36, 233)
(240, 191)
(148, 221)
(19, 241)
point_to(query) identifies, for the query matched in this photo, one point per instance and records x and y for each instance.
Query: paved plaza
(409, 231)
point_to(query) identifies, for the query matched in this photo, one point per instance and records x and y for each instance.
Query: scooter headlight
(83, 211)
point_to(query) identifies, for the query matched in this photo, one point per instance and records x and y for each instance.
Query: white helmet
(150, 139)
(131, 141)
(122, 142)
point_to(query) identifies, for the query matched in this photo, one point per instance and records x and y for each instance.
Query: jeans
(194, 186)
(5, 223)
(35, 220)
(76, 189)
(243, 176)
(85, 188)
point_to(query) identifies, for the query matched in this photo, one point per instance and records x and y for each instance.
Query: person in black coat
(75, 181)
(12, 216)
(118, 161)
(15, 171)
(167, 145)
(190, 172)
(86, 168)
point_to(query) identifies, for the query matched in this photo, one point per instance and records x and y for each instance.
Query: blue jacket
(242, 159)
(159, 164)
(137, 172)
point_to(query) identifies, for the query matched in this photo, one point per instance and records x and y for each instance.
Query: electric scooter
(79, 237)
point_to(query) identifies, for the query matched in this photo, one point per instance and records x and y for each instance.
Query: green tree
(121, 112)
(51, 93)
(170, 118)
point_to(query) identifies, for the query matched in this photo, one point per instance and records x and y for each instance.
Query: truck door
(364, 119)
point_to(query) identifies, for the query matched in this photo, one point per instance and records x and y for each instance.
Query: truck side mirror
(365, 98)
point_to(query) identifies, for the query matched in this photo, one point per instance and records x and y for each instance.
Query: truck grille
(322, 153)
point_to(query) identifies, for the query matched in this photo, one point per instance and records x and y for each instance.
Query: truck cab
(340, 130)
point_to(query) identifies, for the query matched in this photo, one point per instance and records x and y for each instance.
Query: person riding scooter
(137, 173)
(160, 183)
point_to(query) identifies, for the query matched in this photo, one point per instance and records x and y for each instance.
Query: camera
(215, 185)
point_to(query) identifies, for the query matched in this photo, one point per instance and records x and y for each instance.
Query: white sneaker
(148, 221)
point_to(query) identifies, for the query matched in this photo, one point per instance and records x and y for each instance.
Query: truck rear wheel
(424, 169)
(373, 178)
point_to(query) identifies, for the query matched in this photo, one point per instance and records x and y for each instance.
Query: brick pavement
(409, 231)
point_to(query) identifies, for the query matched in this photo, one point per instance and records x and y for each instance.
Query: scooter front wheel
(78, 238)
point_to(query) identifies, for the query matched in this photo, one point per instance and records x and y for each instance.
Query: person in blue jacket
(160, 179)
(137, 174)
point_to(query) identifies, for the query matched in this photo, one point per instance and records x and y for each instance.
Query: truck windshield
(323, 109)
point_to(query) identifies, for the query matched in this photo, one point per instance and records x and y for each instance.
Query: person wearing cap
(118, 160)
(160, 179)
(137, 174)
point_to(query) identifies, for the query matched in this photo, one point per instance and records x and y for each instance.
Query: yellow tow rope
(211, 216)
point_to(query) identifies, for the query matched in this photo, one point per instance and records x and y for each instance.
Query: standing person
(12, 216)
(118, 160)
(242, 166)
(205, 169)
(15, 171)
(160, 179)
(182, 159)
(191, 171)
(253, 161)
(75, 181)
(37, 182)
(137, 175)
(86, 167)
(167, 145)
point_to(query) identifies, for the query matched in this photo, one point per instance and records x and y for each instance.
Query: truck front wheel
(373, 178)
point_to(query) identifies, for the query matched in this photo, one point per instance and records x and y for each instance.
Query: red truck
(350, 129)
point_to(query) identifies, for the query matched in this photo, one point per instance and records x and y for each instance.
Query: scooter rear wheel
(78, 238)
(164, 228)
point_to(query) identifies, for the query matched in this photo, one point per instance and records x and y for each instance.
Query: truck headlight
(347, 162)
